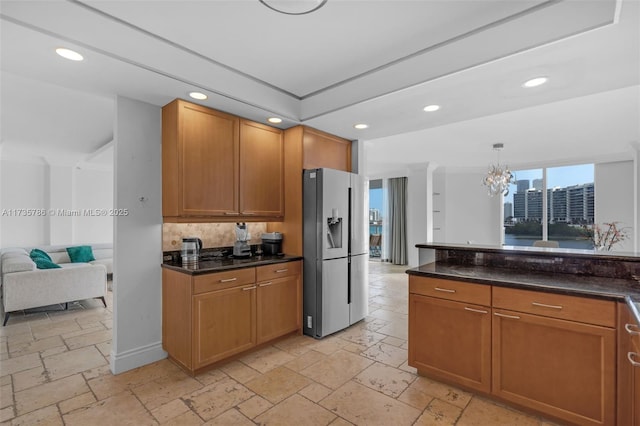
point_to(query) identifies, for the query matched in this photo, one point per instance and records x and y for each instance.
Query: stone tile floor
(54, 370)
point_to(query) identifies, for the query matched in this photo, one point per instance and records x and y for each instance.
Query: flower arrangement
(605, 236)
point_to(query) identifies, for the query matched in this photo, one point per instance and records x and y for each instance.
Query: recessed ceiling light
(361, 126)
(431, 108)
(199, 96)
(69, 54)
(534, 82)
(274, 120)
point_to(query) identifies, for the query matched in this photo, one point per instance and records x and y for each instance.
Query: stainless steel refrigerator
(335, 225)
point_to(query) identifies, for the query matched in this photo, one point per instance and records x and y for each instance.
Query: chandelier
(499, 177)
(294, 7)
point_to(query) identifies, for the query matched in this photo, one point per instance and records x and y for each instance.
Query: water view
(521, 240)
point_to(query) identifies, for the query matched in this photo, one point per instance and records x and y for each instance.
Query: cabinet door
(209, 158)
(628, 368)
(279, 307)
(224, 323)
(451, 341)
(261, 170)
(563, 368)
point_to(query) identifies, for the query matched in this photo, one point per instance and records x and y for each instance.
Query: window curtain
(398, 220)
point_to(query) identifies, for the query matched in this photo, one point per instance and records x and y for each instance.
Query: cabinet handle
(232, 213)
(228, 280)
(281, 270)
(248, 213)
(480, 311)
(266, 284)
(446, 290)
(249, 288)
(505, 315)
(629, 328)
(633, 362)
(544, 305)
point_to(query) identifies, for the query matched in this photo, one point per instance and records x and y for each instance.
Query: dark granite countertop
(571, 284)
(228, 263)
(537, 251)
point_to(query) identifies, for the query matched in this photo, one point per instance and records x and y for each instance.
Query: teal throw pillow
(80, 254)
(43, 263)
(39, 253)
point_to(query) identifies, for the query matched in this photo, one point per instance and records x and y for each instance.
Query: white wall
(615, 184)
(137, 285)
(24, 186)
(419, 211)
(33, 183)
(472, 216)
(94, 190)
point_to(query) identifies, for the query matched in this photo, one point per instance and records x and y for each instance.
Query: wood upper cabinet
(200, 161)
(450, 331)
(566, 369)
(321, 149)
(261, 170)
(279, 300)
(216, 165)
(628, 368)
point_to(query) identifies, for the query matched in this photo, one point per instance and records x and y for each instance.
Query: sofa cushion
(42, 263)
(17, 264)
(39, 253)
(80, 254)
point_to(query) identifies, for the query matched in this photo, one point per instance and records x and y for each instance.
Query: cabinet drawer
(278, 270)
(478, 294)
(573, 308)
(222, 280)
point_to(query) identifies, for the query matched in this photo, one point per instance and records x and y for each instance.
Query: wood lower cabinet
(279, 300)
(552, 353)
(561, 368)
(224, 323)
(451, 341)
(210, 317)
(628, 368)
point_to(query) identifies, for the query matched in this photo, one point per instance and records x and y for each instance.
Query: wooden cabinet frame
(210, 317)
(546, 353)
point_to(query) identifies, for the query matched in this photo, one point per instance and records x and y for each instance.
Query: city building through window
(554, 204)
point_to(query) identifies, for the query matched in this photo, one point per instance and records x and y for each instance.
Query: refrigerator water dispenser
(334, 232)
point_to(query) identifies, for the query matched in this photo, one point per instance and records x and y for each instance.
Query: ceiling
(374, 62)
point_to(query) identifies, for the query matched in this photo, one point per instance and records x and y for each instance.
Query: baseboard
(134, 358)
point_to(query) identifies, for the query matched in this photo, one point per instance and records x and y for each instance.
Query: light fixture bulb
(498, 177)
(69, 54)
(294, 7)
(431, 108)
(361, 126)
(199, 96)
(274, 120)
(535, 82)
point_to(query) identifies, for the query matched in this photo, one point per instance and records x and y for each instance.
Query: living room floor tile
(358, 376)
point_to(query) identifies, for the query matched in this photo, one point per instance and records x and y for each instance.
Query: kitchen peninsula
(552, 330)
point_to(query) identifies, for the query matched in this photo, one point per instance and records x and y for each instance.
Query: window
(375, 217)
(569, 213)
(523, 209)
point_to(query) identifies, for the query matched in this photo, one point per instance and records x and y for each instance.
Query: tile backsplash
(211, 234)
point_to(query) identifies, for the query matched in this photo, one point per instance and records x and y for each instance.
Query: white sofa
(24, 286)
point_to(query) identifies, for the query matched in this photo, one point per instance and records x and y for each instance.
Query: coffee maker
(241, 248)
